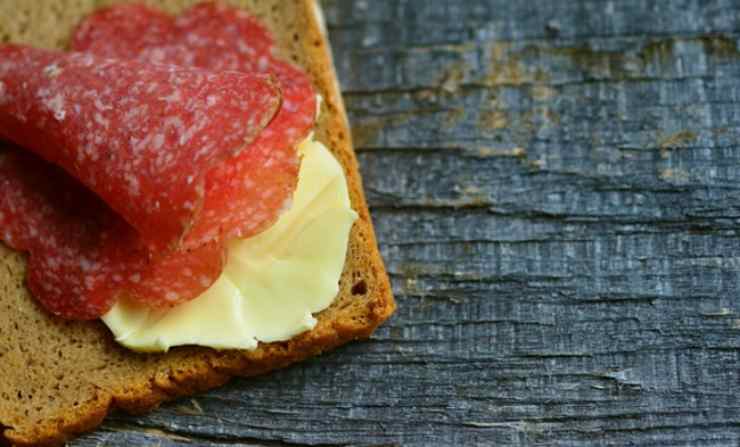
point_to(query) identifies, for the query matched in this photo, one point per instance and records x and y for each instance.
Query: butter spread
(272, 282)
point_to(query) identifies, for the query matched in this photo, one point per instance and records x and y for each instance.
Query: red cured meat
(83, 255)
(217, 37)
(141, 136)
(114, 126)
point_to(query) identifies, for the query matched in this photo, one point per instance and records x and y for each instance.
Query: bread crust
(62, 378)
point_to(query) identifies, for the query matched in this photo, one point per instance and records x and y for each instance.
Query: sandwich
(179, 204)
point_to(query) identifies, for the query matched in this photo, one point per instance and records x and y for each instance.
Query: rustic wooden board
(556, 189)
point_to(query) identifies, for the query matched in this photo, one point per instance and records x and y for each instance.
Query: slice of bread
(60, 378)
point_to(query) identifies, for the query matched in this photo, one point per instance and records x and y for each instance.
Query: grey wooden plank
(555, 187)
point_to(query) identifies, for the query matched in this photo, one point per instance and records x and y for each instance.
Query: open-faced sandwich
(179, 204)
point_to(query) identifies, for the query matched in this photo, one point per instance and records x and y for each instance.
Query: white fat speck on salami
(145, 183)
(244, 196)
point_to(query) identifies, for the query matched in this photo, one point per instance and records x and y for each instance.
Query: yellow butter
(272, 282)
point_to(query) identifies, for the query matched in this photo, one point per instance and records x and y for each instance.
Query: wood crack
(201, 438)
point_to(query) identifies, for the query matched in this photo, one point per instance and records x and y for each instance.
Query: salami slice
(217, 37)
(141, 136)
(83, 255)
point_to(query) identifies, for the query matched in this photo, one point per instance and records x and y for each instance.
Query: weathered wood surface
(556, 188)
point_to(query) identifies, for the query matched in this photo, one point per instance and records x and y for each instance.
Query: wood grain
(556, 190)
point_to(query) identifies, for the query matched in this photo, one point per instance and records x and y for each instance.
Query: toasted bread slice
(60, 378)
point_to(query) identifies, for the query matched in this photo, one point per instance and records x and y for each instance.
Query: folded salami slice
(83, 255)
(217, 37)
(143, 137)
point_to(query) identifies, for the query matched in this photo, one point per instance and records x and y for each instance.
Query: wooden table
(556, 189)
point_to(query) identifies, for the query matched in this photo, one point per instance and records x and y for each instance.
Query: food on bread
(272, 284)
(174, 158)
(107, 375)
